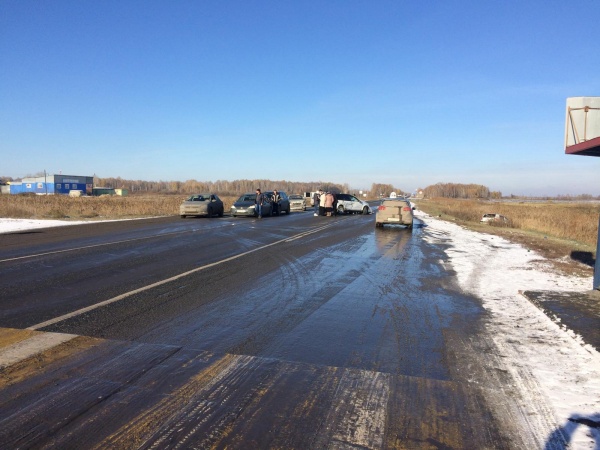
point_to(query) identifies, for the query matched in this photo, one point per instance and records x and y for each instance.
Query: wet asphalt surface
(285, 332)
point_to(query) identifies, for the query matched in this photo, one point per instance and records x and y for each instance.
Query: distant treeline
(468, 191)
(223, 187)
(238, 187)
(454, 190)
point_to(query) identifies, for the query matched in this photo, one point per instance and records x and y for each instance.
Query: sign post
(582, 137)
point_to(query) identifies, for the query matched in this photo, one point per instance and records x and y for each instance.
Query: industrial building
(51, 184)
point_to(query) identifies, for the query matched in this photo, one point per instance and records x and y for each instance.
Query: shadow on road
(561, 438)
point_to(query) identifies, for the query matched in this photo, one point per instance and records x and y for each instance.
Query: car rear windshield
(394, 203)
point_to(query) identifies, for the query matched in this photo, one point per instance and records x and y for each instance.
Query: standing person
(321, 203)
(316, 202)
(260, 199)
(334, 204)
(275, 198)
(328, 204)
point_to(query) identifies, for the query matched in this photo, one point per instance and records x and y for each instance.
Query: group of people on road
(262, 198)
(325, 203)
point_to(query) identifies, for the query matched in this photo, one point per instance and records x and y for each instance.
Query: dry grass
(554, 229)
(570, 221)
(104, 207)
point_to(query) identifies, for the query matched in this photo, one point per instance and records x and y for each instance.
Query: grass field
(565, 220)
(103, 207)
(555, 229)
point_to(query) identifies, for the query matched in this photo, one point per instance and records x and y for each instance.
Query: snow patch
(495, 270)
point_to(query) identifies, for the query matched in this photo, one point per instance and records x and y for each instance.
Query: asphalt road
(286, 332)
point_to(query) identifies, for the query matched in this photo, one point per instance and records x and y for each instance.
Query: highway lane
(73, 267)
(287, 332)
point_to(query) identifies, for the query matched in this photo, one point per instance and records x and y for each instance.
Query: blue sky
(409, 93)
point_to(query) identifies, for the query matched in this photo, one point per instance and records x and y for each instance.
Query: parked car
(297, 202)
(493, 217)
(201, 205)
(396, 211)
(245, 206)
(283, 204)
(347, 203)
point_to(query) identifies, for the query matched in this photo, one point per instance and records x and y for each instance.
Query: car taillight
(406, 208)
(381, 208)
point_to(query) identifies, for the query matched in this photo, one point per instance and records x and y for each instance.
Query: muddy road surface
(287, 332)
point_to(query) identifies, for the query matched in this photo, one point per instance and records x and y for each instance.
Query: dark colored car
(245, 206)
(283, 205)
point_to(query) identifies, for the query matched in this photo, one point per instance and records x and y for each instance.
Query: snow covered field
(550, 365)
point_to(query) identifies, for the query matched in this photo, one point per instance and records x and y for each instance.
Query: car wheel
(365, 210)
(341, 210)
(183, 216)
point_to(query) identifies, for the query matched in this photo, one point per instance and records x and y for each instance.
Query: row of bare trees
(454, 190)
(223, 187)
(238, 187)
(384, 190)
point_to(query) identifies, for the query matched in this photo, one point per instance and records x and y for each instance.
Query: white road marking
(93, 246)
(168, 280)
(31, 346)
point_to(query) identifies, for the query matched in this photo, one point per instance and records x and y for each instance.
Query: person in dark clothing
(316, 199)
(335, 201)
(275, 198)
(260, 199)
(322, 203)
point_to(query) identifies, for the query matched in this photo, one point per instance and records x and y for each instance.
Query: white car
(492, 217)
(347, 203)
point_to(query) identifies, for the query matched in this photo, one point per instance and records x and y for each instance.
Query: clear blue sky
(409, 93)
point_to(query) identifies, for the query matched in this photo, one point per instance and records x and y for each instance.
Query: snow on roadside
(494, 270)
(11, 225)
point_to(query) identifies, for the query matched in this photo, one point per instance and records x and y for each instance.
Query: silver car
(394, 211)
(297, 202)
(201, 205)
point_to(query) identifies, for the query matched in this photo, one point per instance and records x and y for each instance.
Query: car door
(267, 208)
(285, 202)
(343, 202)
(354, 204)
(218, 204)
